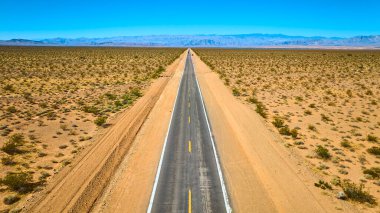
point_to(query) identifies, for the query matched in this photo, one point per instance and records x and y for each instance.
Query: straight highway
(189, 177)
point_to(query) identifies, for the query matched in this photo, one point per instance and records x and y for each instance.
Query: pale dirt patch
(261, 174)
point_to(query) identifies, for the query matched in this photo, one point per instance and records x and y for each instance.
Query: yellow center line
(189, 118)
(189, 104)
(189, 146)
(189, 201)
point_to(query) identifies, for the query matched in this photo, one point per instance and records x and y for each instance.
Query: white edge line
(163, 148)
(224, 190)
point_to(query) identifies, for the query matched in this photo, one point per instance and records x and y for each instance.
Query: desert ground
(324, 106)
(82, 129)
(55, 102)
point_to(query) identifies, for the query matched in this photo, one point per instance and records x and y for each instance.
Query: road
(189, 178)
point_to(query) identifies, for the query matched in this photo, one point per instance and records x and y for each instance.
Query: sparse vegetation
(374, 150)
(19, 182)
(260, 108)
(372, 138)
(55, 95)
(322, 152)
(278, 122)
(100, 121)
(345, 144)
(285, 130)
(374, 172)
(235, 92)
(12, 146)
(8, 161)
(357, 193)
(332, 95)
(9, 200)
(323, 185)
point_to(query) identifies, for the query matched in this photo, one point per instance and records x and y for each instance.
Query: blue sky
(34, 19)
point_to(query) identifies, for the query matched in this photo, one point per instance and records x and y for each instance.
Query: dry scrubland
(324, 103)
(54, 100)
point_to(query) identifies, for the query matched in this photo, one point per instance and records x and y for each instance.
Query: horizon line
(203, 34)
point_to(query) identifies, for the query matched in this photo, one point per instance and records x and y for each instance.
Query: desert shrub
(43, 105)
(278, 122)
(325, 118)
(11, 109)
(110, 96)
(44, 176)
(100, 121)
(236, 92)
(11, 199)
(118, 103)
(308, 112)
(91, 109)
(345, 144)
(19, 182)
(261, 110)
(285, 130)
(64, 146)
(372, 138)
(158, 72)
(374, 172)
(312, 128)
(136, 92)
(294, 133)
(12, 146)
(322, 152)
(9, 88)
(374, 150)
(349, 93)
(127, 99)
(253, 100)
(357, 193)
(51, 115)
(323, 185)
(8, 161)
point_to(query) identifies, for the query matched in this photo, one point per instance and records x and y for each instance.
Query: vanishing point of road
(189, 177)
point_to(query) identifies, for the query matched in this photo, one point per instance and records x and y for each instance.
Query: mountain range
(230, 41)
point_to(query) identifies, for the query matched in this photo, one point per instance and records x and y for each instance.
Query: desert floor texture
(293, 128)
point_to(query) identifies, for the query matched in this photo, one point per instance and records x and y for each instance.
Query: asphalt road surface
(189, 178)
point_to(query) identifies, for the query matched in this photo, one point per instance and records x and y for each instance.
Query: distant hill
(241, 40)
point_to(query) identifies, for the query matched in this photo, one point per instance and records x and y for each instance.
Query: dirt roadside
(261, 175)
(77, 187)
(131, 187)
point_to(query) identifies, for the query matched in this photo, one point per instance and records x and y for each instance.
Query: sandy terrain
(97, 139)
(131, 187)
(325, 104)
(261, 174)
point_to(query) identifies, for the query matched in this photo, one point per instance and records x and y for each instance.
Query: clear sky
(34, 19)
